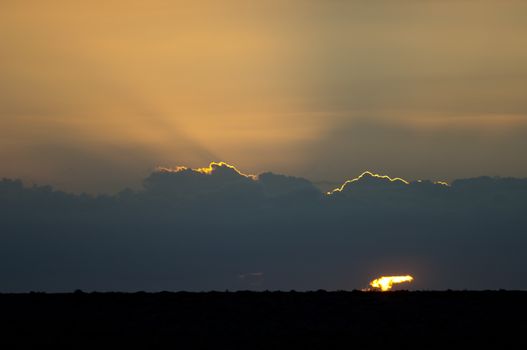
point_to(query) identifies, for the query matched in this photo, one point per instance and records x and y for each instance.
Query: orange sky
(96, 94)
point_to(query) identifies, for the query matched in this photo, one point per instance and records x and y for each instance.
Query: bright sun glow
(386, 283)
(208, 170)
(213, 165)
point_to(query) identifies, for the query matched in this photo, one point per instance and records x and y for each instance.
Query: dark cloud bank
(218, 229)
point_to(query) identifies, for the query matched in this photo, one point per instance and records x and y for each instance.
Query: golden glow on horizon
(378, 176)
(176, 169)
(208, 170)
(213, 165)
(385, 283)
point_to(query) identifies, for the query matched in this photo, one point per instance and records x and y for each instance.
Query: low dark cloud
(221, 179)
(217, 228)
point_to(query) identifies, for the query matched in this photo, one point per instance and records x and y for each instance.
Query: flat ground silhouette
(257, 320)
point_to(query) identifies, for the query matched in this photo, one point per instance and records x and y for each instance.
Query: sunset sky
(96, 94)
(263, 145)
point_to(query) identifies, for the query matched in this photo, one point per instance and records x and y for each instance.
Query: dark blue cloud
(201, 229)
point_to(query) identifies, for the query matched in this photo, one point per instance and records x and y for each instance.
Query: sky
(212, 145)
(95, 95)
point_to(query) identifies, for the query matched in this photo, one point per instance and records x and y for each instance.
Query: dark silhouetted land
(257, 320)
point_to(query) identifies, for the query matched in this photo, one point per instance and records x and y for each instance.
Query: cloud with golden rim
(368, 174)
(210, 170)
